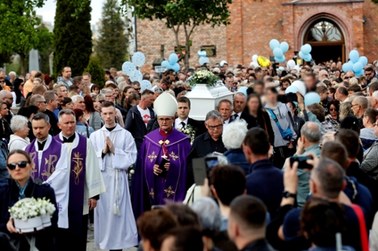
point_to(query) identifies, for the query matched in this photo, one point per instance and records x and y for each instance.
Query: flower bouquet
(189, 131)
(32, 214)
(203, 77)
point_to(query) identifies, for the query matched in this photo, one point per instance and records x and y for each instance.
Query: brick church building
(332, 27)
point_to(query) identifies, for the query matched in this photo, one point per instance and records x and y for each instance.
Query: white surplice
(114, 223)
(59, 180)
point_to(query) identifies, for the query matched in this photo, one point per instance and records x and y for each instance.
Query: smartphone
(199, 171)
(302, 162)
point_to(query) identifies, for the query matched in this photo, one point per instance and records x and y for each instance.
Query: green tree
(72, 35)
(183, 14)
(96, 71)
(112, 45)
(18, 25)
(45, 46)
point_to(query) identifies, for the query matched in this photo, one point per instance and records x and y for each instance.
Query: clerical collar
(111, 128)
(69, 139)
(41, 144)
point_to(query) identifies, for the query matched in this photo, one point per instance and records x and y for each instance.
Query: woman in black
(20, 186)
(255, 116)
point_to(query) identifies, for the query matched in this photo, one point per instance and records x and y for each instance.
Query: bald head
(311, 131)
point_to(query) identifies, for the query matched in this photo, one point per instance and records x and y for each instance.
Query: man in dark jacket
(247, 223)
(265, 180)
(139, 116)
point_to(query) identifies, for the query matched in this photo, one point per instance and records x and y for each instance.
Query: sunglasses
(20, 164)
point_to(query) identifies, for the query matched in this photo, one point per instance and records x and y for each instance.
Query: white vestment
(60, 179)
(114, 223)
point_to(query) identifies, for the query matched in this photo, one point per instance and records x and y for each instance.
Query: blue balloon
(359, 73)
(363, 60)
(301, 55)
(128, 68)
(173, 59)
(291, 89)
(165, 64)
(243, 89)
(348, 66)
(277, 52)
(307, 58)
(274, 43)
(203, 60)
(311, 98)
(284, 47)
(354, 56)
(175, 67)
(357, 67)
(280, 59)
(306, 49)
(144, 85)
(138, 59)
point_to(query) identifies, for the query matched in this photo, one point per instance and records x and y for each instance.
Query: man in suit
(139, 116)
(183, 121)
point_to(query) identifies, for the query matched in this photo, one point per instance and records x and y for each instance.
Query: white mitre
(165, 105)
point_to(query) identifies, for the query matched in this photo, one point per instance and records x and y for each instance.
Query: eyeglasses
(332, 110)
(212, 128)
(347, 77)
(137, 89)
(20, 164)
(354, 105)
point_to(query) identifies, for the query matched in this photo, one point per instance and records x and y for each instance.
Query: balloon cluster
(132, 69)
(305, 53)
(356, 63)
(171, 63)
(279, 50)
(203, 59)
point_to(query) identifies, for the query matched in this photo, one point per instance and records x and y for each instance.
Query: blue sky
(48, 10)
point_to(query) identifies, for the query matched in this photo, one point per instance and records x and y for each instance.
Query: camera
(302, 162)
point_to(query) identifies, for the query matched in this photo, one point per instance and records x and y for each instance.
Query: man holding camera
(161, 168)
(308, 144)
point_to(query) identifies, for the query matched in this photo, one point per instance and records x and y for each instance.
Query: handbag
(287, 133)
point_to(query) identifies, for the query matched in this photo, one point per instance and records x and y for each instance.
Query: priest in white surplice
(80, 184)
(114, 223)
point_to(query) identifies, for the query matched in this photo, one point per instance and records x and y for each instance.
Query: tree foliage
(96, 71)
(183, 14)
(18, 25)
(111, 47)
(72, 35)
(375, 1)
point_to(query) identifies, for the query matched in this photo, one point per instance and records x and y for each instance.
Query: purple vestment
(50, 157)
(149, 189)
(77, 182)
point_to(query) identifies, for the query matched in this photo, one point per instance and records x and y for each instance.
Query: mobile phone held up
(302, 162)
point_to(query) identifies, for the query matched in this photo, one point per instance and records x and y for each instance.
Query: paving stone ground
(91, 245)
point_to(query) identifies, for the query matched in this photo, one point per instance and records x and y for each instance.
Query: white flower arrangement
(203, 77)
(189, 131)
(29, 208)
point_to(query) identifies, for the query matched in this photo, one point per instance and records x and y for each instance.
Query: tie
(183, 125)
(235, 117)
(69, 139)
(41, 145)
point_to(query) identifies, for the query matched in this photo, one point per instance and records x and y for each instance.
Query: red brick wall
(255, 22)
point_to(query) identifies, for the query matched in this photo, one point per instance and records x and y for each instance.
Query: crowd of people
(264, 171)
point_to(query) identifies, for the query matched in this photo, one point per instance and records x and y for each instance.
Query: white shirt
(146, 115)
(178, 124)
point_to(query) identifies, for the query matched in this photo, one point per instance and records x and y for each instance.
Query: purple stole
(158, 189)
(77, 182)
(50, 157)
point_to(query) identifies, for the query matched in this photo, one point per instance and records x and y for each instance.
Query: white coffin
(204, 99)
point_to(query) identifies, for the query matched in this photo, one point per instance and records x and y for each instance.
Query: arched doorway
(326, 39)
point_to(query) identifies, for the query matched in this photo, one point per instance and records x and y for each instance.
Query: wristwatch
(287, 194)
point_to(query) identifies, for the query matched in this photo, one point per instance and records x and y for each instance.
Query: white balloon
(254, 58)
(300, 86)
(290, 64)
(128, 68)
